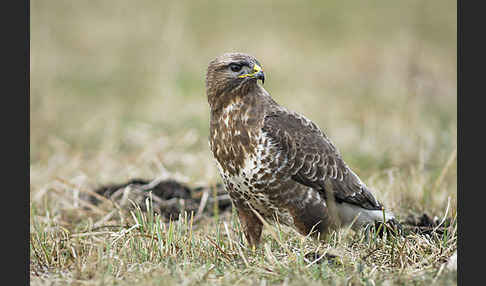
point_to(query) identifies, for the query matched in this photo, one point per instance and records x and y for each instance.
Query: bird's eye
(235, 67)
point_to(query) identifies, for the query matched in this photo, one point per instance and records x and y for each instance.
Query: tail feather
(360, 217)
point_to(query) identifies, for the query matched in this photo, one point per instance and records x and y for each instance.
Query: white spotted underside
(243, 183)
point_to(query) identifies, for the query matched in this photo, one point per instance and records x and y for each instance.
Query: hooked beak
(257, 73)
(260, 75)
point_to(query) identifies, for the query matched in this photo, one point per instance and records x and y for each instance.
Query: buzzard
(277, 163)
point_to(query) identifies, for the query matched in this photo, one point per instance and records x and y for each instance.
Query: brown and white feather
(276, 161)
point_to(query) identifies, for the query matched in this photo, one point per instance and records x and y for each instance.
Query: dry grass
(117, 92)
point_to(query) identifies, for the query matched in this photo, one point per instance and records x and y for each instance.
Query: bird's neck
(246, 99)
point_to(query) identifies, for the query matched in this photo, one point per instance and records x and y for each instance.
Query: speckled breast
(255, 183)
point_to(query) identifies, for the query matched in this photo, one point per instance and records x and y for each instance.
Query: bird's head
(231, 72)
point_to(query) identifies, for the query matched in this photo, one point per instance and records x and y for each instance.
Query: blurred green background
(118, 87)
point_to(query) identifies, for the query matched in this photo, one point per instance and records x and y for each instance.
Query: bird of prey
(276, 164)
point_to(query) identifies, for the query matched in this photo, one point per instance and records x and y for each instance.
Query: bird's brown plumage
(275, 161)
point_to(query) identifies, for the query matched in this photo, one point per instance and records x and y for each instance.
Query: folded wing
(312, 160)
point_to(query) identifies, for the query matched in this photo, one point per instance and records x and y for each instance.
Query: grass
(141, 248)
(117, 92)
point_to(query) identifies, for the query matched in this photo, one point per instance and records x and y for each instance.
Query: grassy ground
(117, 92)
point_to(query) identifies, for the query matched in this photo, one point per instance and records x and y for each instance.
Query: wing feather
(312, 159)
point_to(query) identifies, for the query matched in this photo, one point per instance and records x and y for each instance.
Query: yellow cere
(256, 69)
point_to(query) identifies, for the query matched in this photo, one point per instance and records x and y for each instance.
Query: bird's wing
(311, 159)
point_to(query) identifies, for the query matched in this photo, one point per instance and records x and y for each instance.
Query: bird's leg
(252, 226)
